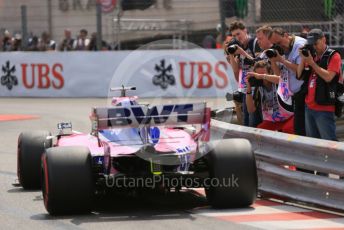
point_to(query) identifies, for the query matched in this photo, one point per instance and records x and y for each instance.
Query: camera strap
(325, 59)
(253, 47)
(291, 44)
(326, 92)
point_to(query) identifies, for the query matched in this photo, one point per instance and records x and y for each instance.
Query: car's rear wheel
(233, 174)
(31, 146)
(68, 184)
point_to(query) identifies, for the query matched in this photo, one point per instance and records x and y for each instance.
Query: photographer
(241, 51)
(262, 35)
(322, 85)
(291, 90)
(275, 117)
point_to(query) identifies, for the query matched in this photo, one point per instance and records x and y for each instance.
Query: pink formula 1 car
(133, 147)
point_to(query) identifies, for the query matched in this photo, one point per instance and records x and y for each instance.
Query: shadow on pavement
(147, 206)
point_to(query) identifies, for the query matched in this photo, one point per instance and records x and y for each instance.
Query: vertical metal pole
(258, 10)
(113, 31)
(119, 9)
(99, 25)
(337, 33)
(186, 35)
(50, 19)
(222, 19)
(24, 27)
(329, 42)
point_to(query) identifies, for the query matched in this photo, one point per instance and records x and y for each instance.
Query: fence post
(118, 32)
(50, 19)
(222, 20)
(99, 25)
(24, 27)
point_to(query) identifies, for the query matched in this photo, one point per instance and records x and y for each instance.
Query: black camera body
(309, 48)
(251, 62)
(231, 49)
(237, 96)
(272, 52)
(232, 46)
(248, 61)
(254, 82)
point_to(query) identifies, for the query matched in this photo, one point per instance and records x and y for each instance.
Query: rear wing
(143, 115)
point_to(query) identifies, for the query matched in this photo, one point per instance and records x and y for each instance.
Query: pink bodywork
(124, 141)
(171, 140)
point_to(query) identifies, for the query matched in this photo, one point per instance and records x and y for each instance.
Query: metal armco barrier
(275, 150)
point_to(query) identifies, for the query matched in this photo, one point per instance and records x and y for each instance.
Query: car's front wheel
(31, 146)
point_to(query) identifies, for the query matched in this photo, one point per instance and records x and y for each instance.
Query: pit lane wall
(160, 73)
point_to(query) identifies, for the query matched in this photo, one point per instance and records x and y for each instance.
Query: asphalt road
(21, 209)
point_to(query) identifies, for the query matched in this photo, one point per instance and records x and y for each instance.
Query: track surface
(21, 209)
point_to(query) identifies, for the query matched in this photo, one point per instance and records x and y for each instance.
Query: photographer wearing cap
(323, 85)
(240, 53)
(291, 90)
(275, 117)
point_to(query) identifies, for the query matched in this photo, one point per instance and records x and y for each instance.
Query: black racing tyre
(233, 174)
(68, 184)
(31, 146)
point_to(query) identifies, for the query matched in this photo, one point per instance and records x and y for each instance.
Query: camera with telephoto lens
(272, 52)
(254, 82)
(307, 48)
(232, 46)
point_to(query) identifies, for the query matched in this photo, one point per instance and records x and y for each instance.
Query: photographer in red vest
(324, 66)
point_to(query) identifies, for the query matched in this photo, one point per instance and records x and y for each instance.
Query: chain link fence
(297, 16)
(191, 20)
(296, 10)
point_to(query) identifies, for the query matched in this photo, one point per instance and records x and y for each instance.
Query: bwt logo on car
(127, 116)
(33, 75)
